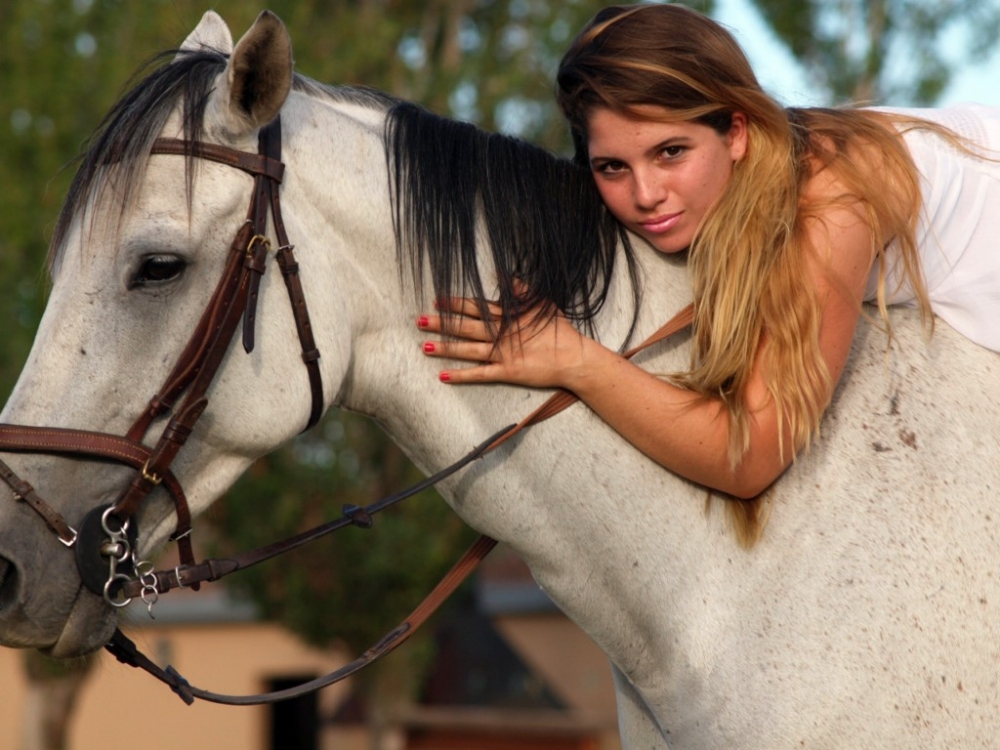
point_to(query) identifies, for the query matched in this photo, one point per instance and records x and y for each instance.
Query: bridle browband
(107, 537)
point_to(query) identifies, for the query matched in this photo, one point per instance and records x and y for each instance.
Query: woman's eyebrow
(673, 140)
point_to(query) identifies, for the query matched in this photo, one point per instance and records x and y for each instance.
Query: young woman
(790, 219)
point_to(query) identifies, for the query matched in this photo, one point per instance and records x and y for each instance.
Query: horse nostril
(8, 584)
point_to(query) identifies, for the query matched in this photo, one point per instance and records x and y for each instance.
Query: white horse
(866, 616)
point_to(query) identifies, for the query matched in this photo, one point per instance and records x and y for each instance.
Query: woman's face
(660, 178)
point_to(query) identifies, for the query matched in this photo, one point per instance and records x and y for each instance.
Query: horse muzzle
(48, 580)
(70, 621)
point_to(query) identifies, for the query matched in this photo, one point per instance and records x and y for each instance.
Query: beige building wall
(567, 660)
(218, 646)
(122, 708)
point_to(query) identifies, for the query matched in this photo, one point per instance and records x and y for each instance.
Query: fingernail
(423, 321)
(445, 377)
(429, 347)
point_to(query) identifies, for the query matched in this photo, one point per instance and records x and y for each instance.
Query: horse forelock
(117, 152)
(543, 218)
(174, 81)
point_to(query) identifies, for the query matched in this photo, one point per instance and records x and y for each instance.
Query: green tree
(882, 51)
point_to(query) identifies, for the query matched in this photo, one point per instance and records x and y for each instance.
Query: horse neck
(392, 381)
(549, 492)
(337, 193)
(373, 306)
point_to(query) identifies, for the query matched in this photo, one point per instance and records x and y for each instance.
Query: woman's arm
(675, 427)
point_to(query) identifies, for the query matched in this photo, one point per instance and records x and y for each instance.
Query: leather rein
(106, 541)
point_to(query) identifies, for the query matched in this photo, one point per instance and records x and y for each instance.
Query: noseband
(106, 538)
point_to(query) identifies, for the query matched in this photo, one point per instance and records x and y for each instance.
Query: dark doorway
(294, 723)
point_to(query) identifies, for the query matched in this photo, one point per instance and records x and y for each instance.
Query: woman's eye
(158, 269)
(611, 167)
(672, 152)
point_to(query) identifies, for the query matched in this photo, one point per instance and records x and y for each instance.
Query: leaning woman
(790, 219)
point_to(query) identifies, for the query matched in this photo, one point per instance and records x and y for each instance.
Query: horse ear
(210, 33)
(259, 74)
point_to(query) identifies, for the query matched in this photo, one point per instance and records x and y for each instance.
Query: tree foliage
(882, 51)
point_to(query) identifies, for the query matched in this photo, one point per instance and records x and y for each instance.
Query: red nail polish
(445, 377)
(423, 321)
(429, 347)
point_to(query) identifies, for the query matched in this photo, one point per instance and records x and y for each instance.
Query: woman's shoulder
(860, 177)
(835, 168)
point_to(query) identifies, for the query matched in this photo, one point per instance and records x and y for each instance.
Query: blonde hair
(749, 257)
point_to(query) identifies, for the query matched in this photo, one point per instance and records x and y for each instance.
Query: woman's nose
(648, 191)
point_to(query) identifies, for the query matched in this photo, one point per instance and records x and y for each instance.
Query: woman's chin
(667, 245)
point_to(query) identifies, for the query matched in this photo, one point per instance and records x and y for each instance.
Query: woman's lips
(661, 223)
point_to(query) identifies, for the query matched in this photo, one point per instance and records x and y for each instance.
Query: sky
(780, 75)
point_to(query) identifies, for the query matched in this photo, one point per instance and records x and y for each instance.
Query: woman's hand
(542, 349)
(678, 429)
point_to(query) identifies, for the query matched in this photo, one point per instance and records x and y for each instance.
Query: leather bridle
(105, 543)
(234, 298)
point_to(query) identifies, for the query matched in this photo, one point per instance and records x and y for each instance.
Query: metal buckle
(71, 541)
(150, 477)
(258, 239)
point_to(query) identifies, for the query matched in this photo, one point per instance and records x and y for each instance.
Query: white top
(958, 233)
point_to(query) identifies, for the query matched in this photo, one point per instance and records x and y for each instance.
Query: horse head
(157, 261)
(138, 253)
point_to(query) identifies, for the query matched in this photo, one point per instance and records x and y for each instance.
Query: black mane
(543, 217)
(116, 153)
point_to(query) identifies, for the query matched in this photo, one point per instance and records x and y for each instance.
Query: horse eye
(158, 269)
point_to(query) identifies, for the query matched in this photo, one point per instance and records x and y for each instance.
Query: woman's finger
(462, 327)
(462, 350)
(465, 306)
(488, 373)
(466, 328)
